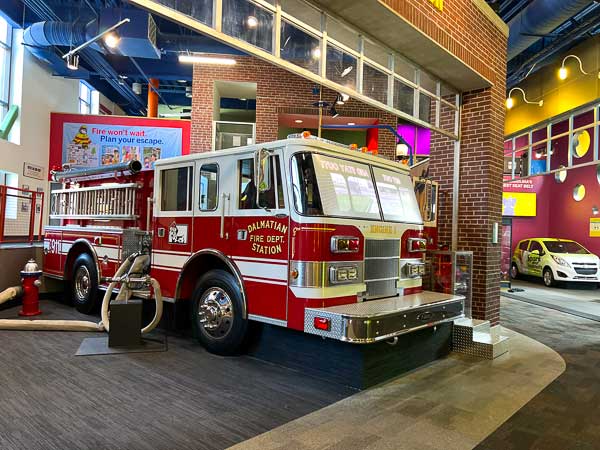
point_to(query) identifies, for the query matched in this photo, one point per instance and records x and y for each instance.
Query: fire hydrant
(30, 278)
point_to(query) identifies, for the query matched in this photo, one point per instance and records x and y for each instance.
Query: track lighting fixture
(73, 61)
(109, 41)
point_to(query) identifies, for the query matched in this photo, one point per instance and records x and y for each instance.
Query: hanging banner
(85, 141)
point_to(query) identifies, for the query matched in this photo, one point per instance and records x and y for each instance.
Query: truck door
(173, 216)
(260, 236)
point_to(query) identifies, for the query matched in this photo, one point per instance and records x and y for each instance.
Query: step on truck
(301, 233)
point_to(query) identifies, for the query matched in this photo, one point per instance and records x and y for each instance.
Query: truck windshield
(565, 247)
(329, 186)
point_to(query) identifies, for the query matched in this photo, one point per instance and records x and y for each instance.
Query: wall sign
(519, 204)
(595, 227)
(33, 171)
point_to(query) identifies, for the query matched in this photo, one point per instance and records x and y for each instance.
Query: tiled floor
(565, 415)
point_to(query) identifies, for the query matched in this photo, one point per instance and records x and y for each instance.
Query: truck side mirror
(262, 172)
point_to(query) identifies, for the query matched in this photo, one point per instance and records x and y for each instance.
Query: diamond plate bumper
(376, 320)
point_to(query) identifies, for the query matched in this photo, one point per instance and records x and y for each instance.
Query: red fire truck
(300, 233)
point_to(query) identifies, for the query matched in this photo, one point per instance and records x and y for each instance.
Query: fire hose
(125, 275)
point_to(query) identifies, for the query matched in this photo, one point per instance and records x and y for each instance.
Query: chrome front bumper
(376, 320)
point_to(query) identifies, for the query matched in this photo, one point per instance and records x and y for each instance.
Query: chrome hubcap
(547, 278)
(215, 312)
(82, 283)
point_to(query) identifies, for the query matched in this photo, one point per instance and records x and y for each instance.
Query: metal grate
(382, 267)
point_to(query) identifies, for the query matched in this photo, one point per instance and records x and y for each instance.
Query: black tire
(217, 307)
(83, 285)
(548, 277)
(514, 271)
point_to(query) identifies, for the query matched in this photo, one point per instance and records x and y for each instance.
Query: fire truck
(301, 233)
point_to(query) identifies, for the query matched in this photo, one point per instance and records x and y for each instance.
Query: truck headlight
(343, 274)
(561, 262)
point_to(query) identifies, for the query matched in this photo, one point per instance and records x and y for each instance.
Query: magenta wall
(558, 214)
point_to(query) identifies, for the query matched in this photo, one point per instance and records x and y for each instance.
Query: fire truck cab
(300, 233)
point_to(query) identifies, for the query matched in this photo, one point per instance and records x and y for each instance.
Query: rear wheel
(217, 308)
(548, 277)
(514, 271)
(84, 284)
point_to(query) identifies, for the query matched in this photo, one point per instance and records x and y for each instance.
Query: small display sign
(595, 227)
(33, 171)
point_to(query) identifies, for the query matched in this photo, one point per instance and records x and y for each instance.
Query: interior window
(176, 189)
(536, 246)
(247, 187)
(209, 187)
(523, 245)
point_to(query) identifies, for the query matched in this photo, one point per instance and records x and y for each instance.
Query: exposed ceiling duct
(538, 19)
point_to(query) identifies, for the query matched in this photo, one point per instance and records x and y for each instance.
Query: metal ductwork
(538, 19)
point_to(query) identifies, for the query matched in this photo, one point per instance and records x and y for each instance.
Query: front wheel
(217, 308)
(548, 277)
(84, 284)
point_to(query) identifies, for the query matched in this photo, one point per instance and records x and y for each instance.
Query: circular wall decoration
(579, 192)
(561, 175)
(581, 143)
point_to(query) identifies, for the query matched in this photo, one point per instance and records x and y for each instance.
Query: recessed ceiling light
(182, 81)
(298, 121)
(243, 99)
(351, 123)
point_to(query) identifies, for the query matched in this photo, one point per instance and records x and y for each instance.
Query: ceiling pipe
(538, 19)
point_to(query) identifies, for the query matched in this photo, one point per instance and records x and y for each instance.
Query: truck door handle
(225, 199)
(425, 316)
(242, 235)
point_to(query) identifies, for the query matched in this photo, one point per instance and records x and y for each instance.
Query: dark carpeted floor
(565, 415)
(184, 398)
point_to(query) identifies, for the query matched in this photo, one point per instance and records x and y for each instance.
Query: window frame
(275, 154)
(158, 211)
(202, 164)
(6, 70)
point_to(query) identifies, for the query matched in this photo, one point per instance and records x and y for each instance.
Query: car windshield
(329, 186)
(565, 247)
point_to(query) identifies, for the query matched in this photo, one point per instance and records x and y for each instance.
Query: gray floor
(184, 398)
(580, 299)
(565, 415)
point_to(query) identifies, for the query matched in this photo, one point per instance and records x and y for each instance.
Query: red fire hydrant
(30, 278)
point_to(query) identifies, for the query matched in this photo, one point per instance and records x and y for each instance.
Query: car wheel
(84, 284)
(514, 271)
(217, 307)
(548, 277)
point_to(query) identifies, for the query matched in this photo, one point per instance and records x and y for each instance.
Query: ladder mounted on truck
(110, 201)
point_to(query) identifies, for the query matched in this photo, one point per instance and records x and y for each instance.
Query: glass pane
(341, 33)
(428, 83)
(84, 92)
(375, 84)
(404, 97)
(247, 187)
(341, 67)
(299, 47)
(303, 12)
(4, 74)
(5, 31)
(230, 135)
(426, 108)
(397, 196)
(448, 93)
(175, 189)
(376, 53)
(201, 10)
(84, 108)
(209, 187)
(246, 21)
(403, 68)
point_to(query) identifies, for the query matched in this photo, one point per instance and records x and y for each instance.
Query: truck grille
(382, 267)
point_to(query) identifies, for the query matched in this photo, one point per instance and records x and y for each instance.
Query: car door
(522, 256)
(534, 258)
(259, 241)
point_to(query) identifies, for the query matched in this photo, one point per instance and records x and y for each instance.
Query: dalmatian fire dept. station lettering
(265, 243)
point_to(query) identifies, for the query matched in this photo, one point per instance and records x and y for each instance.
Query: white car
(555, 260)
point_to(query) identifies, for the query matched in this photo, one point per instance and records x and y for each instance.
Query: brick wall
(468, 34)
(277, 91)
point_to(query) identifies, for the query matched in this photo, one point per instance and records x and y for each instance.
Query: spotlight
(316, 53)
(112, 39)
(510, 102)
(252, 22)
(346, 71)
(563, 73)
(73, 62)
(339, 100)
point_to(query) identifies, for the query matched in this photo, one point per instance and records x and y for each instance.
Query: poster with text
(91, 145)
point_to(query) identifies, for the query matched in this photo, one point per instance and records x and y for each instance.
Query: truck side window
(176, 189)
(209, 187)
(247, 187)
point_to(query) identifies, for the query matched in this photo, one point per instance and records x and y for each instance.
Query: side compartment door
(173, 223)
(53, 253)
(260, 237)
